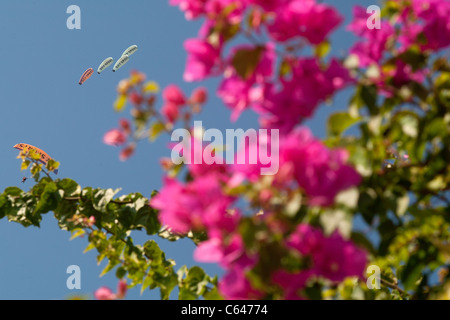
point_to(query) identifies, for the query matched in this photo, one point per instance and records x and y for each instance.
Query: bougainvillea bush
(289, 235)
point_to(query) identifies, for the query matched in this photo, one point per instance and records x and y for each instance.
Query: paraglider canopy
(86, 75)
(44, 157)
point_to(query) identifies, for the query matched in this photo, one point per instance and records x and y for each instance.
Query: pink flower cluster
(322, 173)
(197, 205)
(230, 253)
(118, 137)
(202, 205)
(252, 80)
(420, 24)
(297, 96)
(333, 258)
(282, 100)
(105, 293)
(175, 100)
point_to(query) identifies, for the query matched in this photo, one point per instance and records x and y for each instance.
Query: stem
(394, 286)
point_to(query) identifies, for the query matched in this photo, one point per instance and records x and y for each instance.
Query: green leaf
(156, 129)
(245, 61)
(120, 102)
(103, 197)
(339, 122)
(49, 199)
(369, 97)
(25, 164)
(322, 49)
(70, 187)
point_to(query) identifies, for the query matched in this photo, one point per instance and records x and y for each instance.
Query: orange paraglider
(44, 156)
(86, 75)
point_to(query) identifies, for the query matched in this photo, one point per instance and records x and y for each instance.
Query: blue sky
(42, 104)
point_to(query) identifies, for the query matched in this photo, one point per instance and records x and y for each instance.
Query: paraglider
(86, 75)
(105, 64)
(108, 61)
(44, 156)
(130, 50)
(123, 59)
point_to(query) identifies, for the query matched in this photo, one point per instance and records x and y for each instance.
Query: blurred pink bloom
(122, 289)
(269, 5)
(304, 18)
(339, 258)
(127, 152)
(238, 93)
(191, 8)
(306, 239)
(114, 137)
(374, 43)
(283, 107)
(195, 205)
(235, 286)
(125, 126)
(171, 112)
(172, 94)
(135, 98)
(292, 283)
(209, 251)
(202, 58)
(199, 95)
(215, 8)
(333, 258)
(321, 172)
(104, 293)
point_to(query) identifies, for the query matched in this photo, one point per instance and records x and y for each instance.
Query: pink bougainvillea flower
(199, 96)
(171, 112)
(306, 239)
(202, 58)
(283, 107)
(196, 205)
(122, 289)
(374, 44)
(304, 18)
(135, 98)
(209, 251)
(332, 257)
(235, 286)
(237, 92)
(125, 126)
(339, 258)
(201, 159)
(292, 283)
(173, 94)
(104, 293)
(127, 152)
(269, 5)
(321, 172)
(235, 10)
(192, 8)
(114, 137)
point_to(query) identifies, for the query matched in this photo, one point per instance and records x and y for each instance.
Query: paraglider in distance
(86, 75)
(130, 50)
(105, 64)
(44, 156)
(119, 64)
